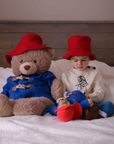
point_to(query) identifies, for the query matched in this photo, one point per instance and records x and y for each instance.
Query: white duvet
(49, 129)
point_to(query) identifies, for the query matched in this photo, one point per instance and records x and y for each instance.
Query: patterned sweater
(88, 82)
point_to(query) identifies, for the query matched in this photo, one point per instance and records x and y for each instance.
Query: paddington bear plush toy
(71, 106)
(33, 88)
(74, 105)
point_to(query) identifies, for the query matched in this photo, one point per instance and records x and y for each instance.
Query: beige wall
(57, 10)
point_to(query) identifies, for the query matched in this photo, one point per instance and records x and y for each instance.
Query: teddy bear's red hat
(69, 112)
(29, 41)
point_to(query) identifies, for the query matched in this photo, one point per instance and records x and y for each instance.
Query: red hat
(29, 41)
(69, 112)
(79, 46)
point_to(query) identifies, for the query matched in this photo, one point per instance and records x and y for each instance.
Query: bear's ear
(51, 52)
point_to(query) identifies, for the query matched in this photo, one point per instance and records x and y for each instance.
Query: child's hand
(90, 102)
(87, 97)
(65, 94)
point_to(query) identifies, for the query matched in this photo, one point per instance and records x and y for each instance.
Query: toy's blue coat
(42, 88)
(78, 96)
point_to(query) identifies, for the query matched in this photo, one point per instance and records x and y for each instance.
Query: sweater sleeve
(48, 78)
(98, 90)
(6, 87)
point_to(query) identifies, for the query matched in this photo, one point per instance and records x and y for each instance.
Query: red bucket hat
(79, 46)
(67, 113)
(29, 41)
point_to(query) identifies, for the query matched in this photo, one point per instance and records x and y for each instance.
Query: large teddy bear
(33, 88)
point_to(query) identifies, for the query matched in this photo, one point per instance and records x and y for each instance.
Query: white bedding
(49, 129)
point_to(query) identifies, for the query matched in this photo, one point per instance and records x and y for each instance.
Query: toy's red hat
(79, 46)
(67, 113)
(29, 41)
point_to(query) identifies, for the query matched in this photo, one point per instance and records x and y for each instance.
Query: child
(83, 77)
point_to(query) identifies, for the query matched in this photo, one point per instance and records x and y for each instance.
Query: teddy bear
(71, 106)
(32, 89)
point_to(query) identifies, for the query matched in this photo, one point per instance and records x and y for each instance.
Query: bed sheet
(50, 130)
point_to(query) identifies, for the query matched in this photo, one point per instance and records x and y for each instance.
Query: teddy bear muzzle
(28, 68)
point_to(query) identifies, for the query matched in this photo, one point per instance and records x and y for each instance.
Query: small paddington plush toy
(71, 106)
(33, 88)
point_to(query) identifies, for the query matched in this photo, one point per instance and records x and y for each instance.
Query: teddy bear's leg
(57, 89)
(31, 106)
(5, 106)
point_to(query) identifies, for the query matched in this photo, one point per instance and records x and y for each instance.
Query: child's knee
(107, 107)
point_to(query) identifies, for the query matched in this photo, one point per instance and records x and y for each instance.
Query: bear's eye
(21, 61)
(35, 61)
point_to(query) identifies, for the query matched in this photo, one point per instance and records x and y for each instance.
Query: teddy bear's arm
(55, 84)
(57, 89)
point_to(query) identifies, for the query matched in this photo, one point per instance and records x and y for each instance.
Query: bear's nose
(26, 67)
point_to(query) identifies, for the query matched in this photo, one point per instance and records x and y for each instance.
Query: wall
(74, 10)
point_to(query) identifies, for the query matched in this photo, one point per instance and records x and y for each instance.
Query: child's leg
(106, 109)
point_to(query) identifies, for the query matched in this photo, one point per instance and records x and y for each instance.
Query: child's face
(80, 62)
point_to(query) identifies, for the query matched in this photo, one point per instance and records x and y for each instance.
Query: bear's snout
(27, 67)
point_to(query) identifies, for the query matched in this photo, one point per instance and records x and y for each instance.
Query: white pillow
(62, 65)
(59, 66)
(4, 74)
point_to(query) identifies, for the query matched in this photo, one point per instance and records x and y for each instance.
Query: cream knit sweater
(88, 81)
